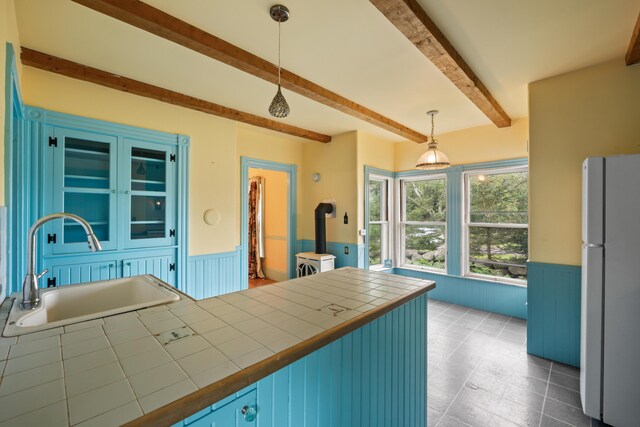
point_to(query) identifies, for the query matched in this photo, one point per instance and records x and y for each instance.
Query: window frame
(387, 227)
(466, 223)
(401, 224)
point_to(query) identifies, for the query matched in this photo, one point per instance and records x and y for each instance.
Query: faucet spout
(30, 293)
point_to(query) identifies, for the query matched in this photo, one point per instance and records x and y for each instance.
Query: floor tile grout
(474, 369)
(457, 331)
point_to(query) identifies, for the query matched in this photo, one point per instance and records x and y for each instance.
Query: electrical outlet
(346, 250)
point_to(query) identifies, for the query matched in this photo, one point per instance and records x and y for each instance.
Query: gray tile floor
(480, 374)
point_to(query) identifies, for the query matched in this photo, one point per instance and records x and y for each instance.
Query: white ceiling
(348, 47)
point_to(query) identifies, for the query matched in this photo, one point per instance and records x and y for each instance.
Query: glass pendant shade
(433, 159)
(279, 107)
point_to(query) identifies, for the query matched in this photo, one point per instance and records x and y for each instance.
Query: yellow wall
(475, 145)
(214, 168)
(275, 186)
(590, 112)
(336, 163)
(376, 153)
(8, 33)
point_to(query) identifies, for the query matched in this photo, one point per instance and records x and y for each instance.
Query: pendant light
(433, 158)
(279, 107)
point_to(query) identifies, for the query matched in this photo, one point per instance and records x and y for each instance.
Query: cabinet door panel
(163, 267)
(150, 187)
(82, 181)
(81, 273)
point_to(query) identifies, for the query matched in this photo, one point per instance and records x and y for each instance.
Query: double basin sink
(78, 303)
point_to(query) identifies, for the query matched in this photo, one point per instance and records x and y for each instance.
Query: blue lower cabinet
(163, 267)
(375, 376)
(237, 410)
(70, 274)
(70, 270)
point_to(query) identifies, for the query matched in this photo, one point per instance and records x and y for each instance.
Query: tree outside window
(496, 223)
(423, 222)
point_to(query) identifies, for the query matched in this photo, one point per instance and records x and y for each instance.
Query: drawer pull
(249, 413)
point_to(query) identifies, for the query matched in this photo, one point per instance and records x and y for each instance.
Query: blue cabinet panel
(79, 273)
(163, 267)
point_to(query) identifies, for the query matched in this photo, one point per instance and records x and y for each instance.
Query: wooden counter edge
(207, 396)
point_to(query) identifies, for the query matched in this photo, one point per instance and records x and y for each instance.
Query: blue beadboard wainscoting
(374, 376)
(353, 259)
(509, 300)
(553, 325)
(213, 274)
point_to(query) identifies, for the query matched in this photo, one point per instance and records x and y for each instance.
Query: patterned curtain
(255, 225)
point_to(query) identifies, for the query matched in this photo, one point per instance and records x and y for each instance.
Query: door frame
(292, 170)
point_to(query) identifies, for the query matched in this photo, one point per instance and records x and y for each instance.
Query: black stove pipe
(321, 227)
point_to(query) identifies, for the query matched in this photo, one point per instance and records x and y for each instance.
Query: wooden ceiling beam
(155, 21)
(74, 70)
(633, 52)
(417, 26)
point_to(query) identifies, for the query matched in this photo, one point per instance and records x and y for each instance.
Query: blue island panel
(374, 376)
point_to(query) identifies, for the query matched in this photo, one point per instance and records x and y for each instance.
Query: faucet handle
(46, 270)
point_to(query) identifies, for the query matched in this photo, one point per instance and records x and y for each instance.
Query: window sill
(423, 269)
(519, 284)
(499, 280)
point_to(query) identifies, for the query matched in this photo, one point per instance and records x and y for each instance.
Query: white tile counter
(116, 369)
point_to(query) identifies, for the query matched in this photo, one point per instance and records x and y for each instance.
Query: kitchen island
(343, 348)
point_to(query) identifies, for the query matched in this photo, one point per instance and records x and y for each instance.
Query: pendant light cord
(432, 127)
(279, 23)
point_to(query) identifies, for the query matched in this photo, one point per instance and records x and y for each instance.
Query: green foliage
(375, 243)
(499, 198)
(426, 200)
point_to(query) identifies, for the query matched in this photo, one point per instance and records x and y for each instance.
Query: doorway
(268, 221)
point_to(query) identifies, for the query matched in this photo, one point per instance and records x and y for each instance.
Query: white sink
(78, 303)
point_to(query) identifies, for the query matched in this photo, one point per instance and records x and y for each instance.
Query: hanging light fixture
(279, 107)
(433, 158)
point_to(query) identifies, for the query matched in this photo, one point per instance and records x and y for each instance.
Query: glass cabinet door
(151, 184)
(84, 183)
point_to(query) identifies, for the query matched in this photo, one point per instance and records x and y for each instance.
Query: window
(423, 215)
(378, 229)
(496, 224)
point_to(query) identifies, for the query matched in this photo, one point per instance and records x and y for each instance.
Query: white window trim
(387, 239)
(400, 209)
(464, 250)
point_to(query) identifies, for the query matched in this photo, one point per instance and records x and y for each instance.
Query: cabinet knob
(249, 413)
(127, 192)
(113, 191)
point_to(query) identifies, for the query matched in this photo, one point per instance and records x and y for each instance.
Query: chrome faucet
(30, 293)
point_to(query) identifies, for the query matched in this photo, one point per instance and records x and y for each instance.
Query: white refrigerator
(610, 324)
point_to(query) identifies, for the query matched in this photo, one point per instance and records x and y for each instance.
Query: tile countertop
(164, 363)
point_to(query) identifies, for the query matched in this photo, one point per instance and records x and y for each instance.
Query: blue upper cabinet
(129, 183)
(81, 170)
(149, 202)
(125, 188)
